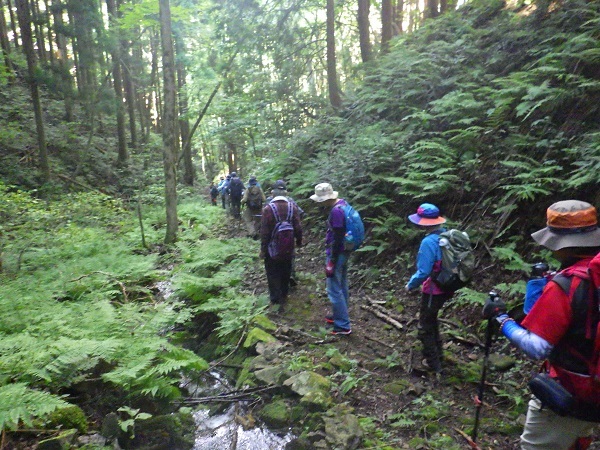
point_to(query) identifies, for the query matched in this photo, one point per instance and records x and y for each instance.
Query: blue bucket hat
(427, 215)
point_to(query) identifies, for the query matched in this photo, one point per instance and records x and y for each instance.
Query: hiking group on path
(561, 324)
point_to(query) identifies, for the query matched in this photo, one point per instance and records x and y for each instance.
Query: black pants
(278, 278)
(236, 204)
(429, 331)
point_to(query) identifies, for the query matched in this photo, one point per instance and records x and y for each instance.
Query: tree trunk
(129, 93)
(5, 44)
(332, 81)
(184, 124)
(431, 9)
(39, 34)
(25, 25)
(169, 122)
(118, 86)
(399, 17)
(48, 21)
(63, 61)
(13, 23)
(364, 26)
(386, 25)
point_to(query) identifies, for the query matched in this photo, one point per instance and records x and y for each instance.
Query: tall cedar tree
(118, 85)
(169, 126)
(4, 43)
(386, 25)
(24, 15)
(363, 30)
(332, 80)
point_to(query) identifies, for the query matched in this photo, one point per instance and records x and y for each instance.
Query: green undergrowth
(79, 305)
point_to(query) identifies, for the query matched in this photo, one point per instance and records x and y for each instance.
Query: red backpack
(576, 358)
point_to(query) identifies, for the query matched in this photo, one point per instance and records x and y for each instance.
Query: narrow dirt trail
(390, 386)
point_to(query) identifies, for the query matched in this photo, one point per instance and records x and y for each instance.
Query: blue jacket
(429, 253)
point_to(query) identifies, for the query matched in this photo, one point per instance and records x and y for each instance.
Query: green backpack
(458, 261)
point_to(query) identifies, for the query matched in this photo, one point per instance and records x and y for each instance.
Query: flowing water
(221, 431)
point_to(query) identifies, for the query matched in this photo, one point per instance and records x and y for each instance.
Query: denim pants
(337, 291)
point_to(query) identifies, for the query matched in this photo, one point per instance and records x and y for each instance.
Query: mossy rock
(264, 322)
(67, 418)
(397, 387)
(172, 431)
(257, 335)
(63, 441)
(342, 363)
(307, 381)
(276, 414)
(316, 401)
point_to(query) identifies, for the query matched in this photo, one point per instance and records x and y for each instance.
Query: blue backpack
(355, 229)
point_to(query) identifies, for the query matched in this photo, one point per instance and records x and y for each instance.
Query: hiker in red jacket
(561, 329)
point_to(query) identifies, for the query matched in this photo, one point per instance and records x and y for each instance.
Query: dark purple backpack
(281, 245)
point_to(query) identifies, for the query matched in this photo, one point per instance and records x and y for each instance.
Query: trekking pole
(489, 334)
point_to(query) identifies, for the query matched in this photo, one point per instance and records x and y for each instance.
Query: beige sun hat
(570, 223)
(324, 191)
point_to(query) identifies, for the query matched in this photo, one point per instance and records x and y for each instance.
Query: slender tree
(13, 23)
(24, 15)
(123, 156)
(386, 25)
(184, 124)
(169, 129)
(5, 44)
(398, 17)
(364, 30)
(63, 59)
(431, 9)
(332, 80)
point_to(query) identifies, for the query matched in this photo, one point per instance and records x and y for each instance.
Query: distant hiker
(429, 261)
(280, 228)
(280, 188)
(236, 191)
(214, 193)
(336, 265)
(253, 198)
(223, 190)
(562, 328)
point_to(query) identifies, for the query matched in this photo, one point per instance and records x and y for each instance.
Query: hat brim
(426, 222)
(322, 198)
(555, 241)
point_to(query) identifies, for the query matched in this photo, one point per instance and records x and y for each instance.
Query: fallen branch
(233, 396)
(384, 310)
(383, 316)
(216, 363)
(123, 289)
(369, 338)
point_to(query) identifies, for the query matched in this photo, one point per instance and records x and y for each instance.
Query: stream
(221, 431)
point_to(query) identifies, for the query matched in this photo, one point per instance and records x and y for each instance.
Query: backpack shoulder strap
(275, 213)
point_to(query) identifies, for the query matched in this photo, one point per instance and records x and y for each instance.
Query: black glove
(493, 308)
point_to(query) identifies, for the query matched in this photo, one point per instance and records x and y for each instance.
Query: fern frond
(21, 404)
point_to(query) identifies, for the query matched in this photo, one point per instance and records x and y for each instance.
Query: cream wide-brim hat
(324, 191)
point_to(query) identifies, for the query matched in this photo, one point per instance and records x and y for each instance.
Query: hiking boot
(329, 318)
(341, 331)
(427, 367)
